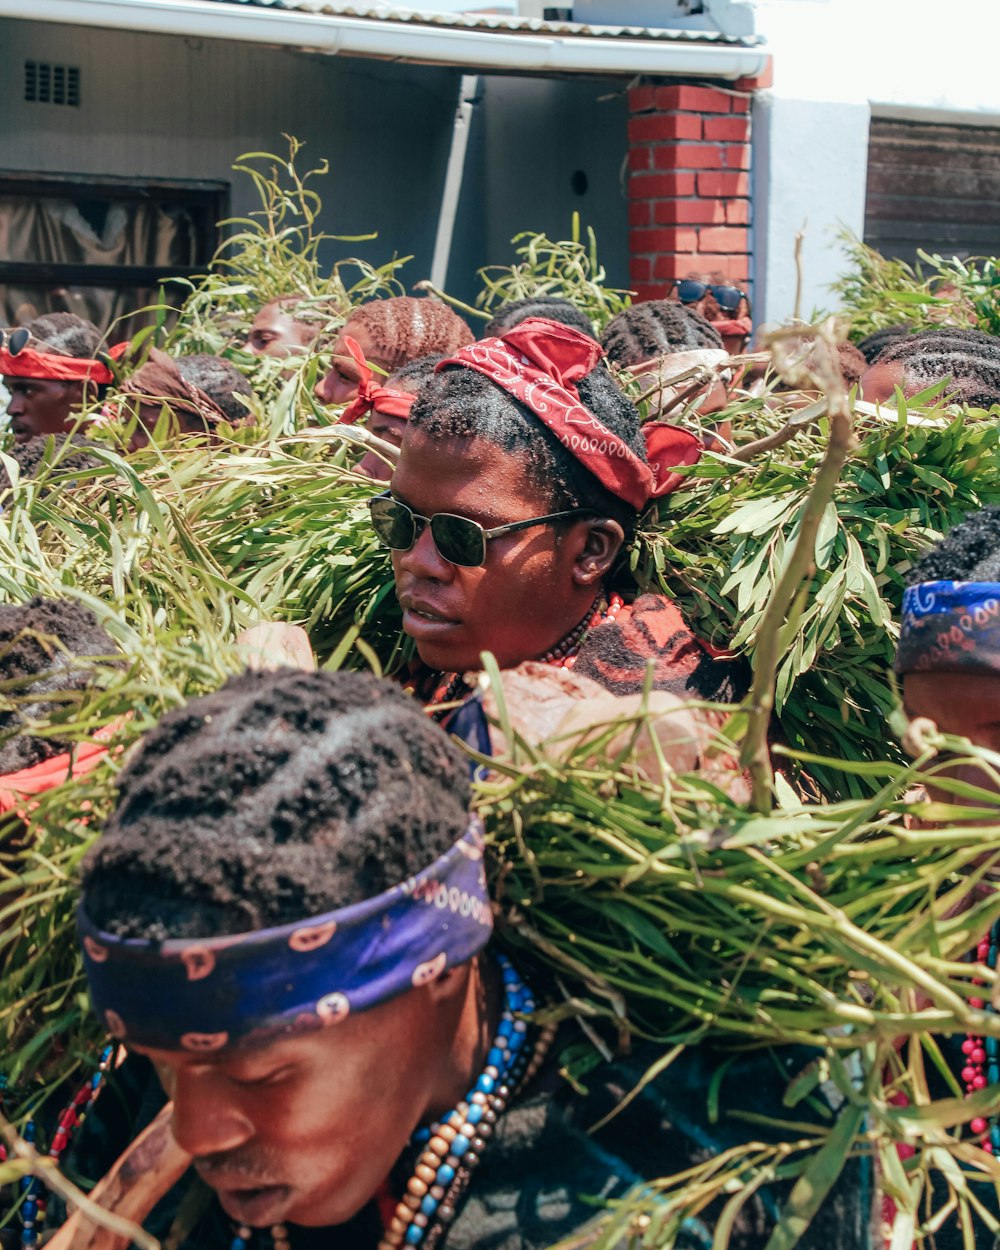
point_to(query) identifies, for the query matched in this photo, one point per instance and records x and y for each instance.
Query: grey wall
(171, 107)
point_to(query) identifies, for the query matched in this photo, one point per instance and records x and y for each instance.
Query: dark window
(100, 247)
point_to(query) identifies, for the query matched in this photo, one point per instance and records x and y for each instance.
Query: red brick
(640, 269)
(640, 158)
(688, 156)
(650, 127)
(737, 212)
(640, 99)
(715, 184)
(739, 104)
(664, 239)
(723, 239)
(727, 129)
(659, 186)
(692, 99)
(667, 267)
(736, 155)
(640, 213)
(689, 212)
(643, 291)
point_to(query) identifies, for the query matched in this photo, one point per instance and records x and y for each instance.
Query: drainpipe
(467, 92)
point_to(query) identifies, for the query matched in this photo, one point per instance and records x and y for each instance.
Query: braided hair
(37, 641)
(969, 553)
(406, 327)
(969, 358)
(67, 333)
(461, 403)
(282, 795)
(658, 327)
(548, 306)
(219, 380)
(873, 345)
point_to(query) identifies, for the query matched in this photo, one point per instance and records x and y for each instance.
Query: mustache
(253, 1165)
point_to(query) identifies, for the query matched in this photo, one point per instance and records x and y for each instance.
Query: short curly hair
(658, 327)
(407, 327)
(548, 306)
(968, 553)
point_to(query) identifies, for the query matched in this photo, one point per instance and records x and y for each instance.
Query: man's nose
(206, 1120)
(423, 560)
(16, 405)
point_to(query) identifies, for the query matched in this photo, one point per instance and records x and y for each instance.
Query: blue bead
(429, 1205)
(445, 1174)
(475, 1113)
(29, 1131)
(494, 1059)
(29, 1210)
(993, 1073)
(414, 1235)
(460, 1145)
(238, 1243)
(505, 1029)
(992, 1046)
(29, 1236)
(995, 1135)
(485, 1084)
(422, 1135)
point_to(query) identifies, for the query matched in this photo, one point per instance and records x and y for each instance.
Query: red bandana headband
(539, 362)
(385, 399)
(47, 366)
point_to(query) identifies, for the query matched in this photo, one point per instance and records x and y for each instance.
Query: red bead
(968, 1074)
(979, 1125)
(979, 1081)
(978, 1055)
(977, 1003)
(968, 1046)
(988, 1146)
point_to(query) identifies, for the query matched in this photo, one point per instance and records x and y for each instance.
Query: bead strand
(982, 1055)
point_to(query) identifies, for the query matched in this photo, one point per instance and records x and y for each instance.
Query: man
(287, 915)
(967, 360)
(50, 371)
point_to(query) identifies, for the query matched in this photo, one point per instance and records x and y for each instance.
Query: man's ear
(603, 541)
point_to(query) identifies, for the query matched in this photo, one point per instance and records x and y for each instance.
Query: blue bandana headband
(207, 993)
(950, 627)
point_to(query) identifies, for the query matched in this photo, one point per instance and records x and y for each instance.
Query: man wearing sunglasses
(724, 304)
(50, 370)
(521, 479)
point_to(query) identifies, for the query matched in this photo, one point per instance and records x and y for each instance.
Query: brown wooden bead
(420, 1220)
(470, 1159)
(446, 1214)
(396, 1225)
(412, 1201)
(403, 1213)
(437, 1192)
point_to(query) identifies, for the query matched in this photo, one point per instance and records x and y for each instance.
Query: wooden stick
(111, 1218)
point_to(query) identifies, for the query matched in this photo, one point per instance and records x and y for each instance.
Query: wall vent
(45, 83)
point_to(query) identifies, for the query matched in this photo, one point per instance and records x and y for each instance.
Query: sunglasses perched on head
(458, 540)
(727, 297)
(15, 341)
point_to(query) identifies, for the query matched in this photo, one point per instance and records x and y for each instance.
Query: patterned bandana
(48, 366)
(206, 993)
(950, 627)
(385, 399)
(539, 362)
(159, 381)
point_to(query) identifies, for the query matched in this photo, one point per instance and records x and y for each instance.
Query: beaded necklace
(454, 687)
(31, 1190)
(450, 1149)
(982, 1055)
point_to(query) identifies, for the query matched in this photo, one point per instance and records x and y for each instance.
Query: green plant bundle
(720, 545)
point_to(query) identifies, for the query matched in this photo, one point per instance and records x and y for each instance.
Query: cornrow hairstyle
(405, 328)
(658, 327)
(549, 306)
(37, 641)
(461, 403)
(873, 345)
(220, 380)
(66, 332)
(969, 553)
(281, 796)
(969, 358)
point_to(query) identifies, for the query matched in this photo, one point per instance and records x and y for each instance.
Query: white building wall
(835, 63)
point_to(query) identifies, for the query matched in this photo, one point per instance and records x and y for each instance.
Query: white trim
(933, 116)
(403, 41)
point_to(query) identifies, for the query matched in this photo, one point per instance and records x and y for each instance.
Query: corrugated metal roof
(492, 21)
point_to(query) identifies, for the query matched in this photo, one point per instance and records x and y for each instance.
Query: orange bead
(426, 1174)
(416, 1187)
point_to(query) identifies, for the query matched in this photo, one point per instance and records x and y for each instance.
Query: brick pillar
(689, 185)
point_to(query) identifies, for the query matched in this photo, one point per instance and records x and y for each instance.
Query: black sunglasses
(15, 341)
(727, 297)
(459, 540)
